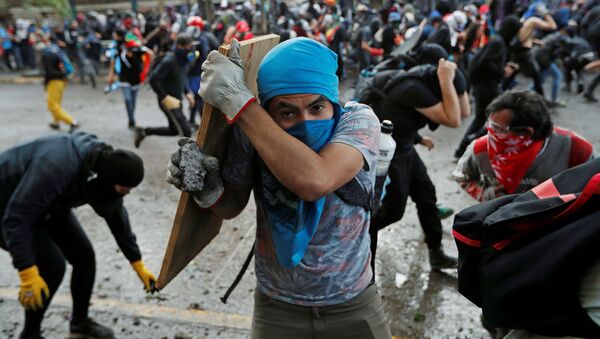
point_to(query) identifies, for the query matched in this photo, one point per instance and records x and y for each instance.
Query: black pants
(408, 177)
(197, 108)
(340, 69)
(55, 239)
(178, 124)
(6, 56)
(483, 97)
(574, 65)
(364, 59)
(592, 86)
(530, 68)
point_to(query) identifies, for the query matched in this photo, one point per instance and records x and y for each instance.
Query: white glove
(223, 84)
(192, 171)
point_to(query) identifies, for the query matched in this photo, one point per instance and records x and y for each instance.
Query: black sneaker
(138, 136)
(438, 259)
(30, 336)
(556, 104)
(495, 332)
(74, 126)
(90, 329)
(131, 125)
(590, 97)
(54, 125)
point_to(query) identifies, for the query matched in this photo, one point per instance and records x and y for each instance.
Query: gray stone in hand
(193, 173)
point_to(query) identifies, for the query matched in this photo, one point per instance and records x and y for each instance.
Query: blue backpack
(63, 56)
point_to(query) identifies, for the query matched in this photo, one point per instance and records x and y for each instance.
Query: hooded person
(487, 71)
(129, 64)
(457, 21)
(40, 183)
(431, 93)
(168, 79)
(521, 46)
(296, 150)
(390, 35)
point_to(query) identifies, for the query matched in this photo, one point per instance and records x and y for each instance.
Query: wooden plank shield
(194, 227)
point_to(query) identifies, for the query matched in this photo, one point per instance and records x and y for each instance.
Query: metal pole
(134, 6)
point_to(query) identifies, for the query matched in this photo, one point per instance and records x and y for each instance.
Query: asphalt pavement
(419, 303)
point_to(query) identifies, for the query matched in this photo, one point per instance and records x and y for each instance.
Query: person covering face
(295, 149)
(522, 149)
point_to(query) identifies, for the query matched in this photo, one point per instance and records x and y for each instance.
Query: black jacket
(51, 61)
(169, 77)
(487, 66)
(52, 175)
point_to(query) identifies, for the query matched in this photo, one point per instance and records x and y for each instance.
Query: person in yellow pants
(55, 79)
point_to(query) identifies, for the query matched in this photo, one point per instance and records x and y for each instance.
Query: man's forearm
(232, 202)
(465, 106)
(293, 163)
(450, 102)
(119, 225)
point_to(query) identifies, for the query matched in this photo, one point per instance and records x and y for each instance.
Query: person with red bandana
(522, 148)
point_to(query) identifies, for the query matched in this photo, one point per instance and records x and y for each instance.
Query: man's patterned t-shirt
(336, 264)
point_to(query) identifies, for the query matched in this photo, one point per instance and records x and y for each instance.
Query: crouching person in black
(40, 182)
(431, 94)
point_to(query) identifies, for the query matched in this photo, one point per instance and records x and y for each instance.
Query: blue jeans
(556, 75)
(130, 96)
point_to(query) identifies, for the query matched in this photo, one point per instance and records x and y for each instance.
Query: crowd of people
(410, 64)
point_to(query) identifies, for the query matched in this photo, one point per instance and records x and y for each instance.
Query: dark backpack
(522, 256)
(374, 90)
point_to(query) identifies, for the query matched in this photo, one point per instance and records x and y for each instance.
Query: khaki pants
(55, 89)
(361, 317)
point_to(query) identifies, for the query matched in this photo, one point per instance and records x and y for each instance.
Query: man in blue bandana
(306, 158)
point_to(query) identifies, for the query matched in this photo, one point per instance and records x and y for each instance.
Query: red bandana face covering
(511, 156)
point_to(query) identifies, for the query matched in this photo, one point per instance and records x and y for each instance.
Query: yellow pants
(55, 89)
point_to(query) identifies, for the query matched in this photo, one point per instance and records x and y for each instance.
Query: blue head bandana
(297, 66)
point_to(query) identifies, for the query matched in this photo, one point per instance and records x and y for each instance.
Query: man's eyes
(287, 115)
(314, 109)
(318, 108)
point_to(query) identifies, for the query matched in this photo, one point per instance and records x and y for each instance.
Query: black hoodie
(52, 175)
(487, 67)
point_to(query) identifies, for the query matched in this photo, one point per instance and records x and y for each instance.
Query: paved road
(419, 304)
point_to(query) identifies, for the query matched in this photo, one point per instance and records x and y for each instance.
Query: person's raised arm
(447, 112)
(533, 23)
(309, 174)
(465, 105)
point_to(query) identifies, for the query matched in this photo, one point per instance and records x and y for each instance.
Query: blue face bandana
(314, 133)
(294, 221)
(297, 66)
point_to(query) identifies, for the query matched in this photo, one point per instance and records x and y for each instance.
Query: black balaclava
(430, 54)
(120, 167)
(375, 25)
(509, 28)
(106, 168)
